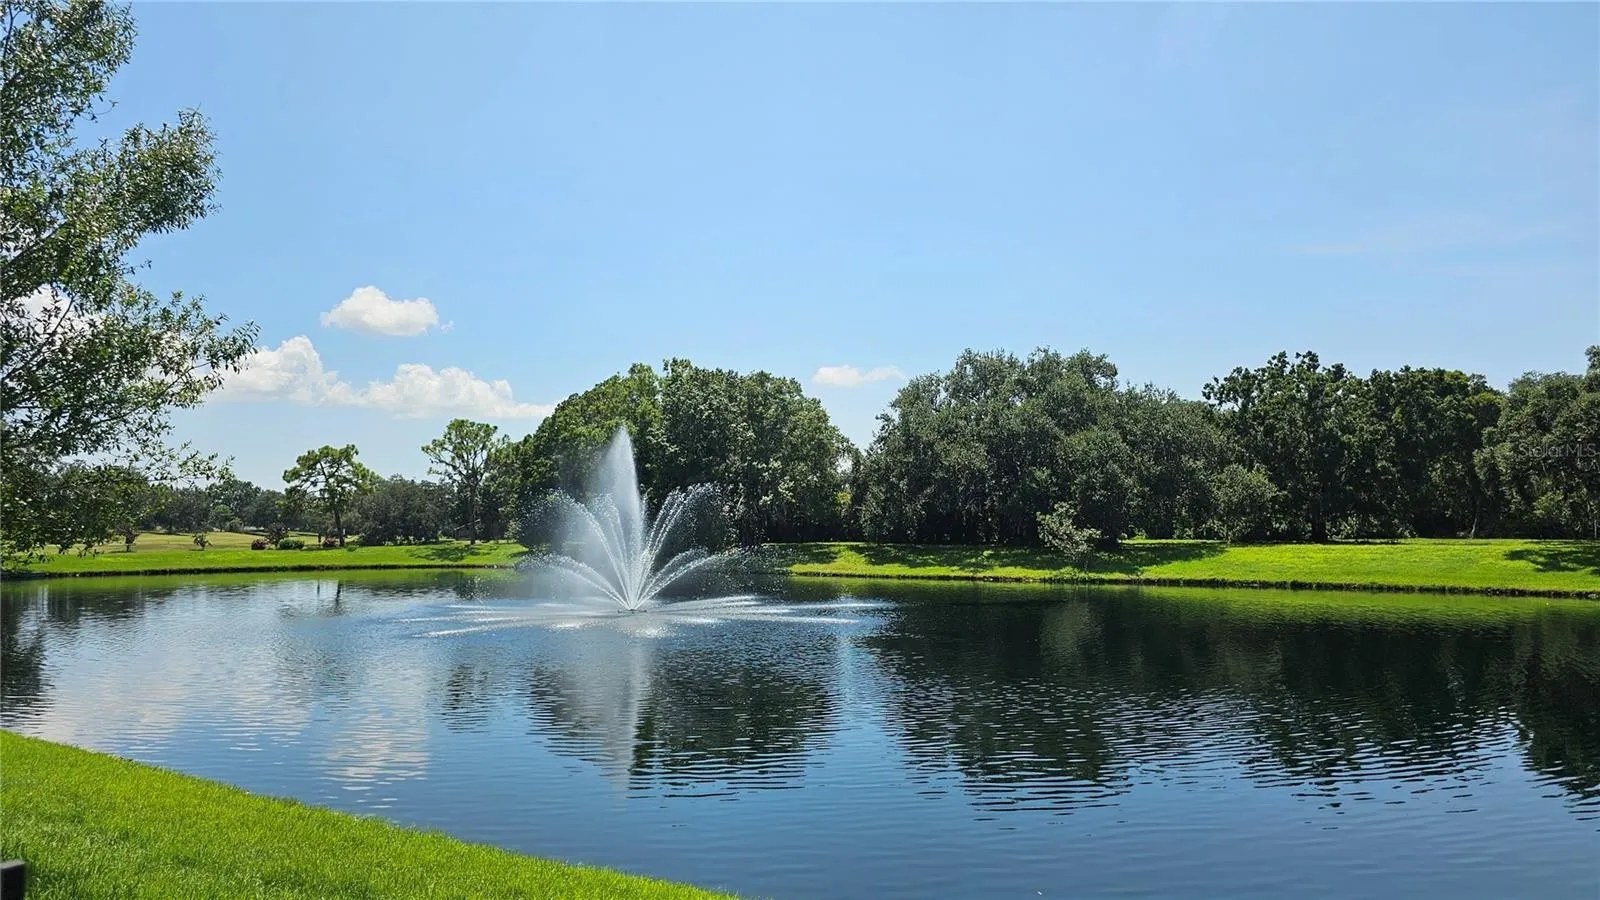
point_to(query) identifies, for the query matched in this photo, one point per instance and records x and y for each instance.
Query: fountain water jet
(621, 544)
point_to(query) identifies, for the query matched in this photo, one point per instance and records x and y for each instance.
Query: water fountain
(614, 561)
(620, 546)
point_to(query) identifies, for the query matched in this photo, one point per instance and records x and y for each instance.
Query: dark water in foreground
(953, 741)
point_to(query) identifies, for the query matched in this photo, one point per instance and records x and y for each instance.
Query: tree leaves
(91, 363)
(462, 457)
(331, 477)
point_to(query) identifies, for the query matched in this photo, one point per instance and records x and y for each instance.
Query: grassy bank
(94, 826)
(1553, 568)
(156, 554)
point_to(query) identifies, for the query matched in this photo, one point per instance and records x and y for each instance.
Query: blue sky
(573, 188)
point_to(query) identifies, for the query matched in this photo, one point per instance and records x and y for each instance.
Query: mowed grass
(176, 553)
(1478, 565)
(93, 826)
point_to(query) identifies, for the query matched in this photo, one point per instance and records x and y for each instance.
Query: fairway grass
(163, 554)
(94, 826)
(1510, 566)
(1551, 568)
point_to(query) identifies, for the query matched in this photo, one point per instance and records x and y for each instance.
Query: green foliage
(1100, 482)
(398, 510)
(1302, 422)
(86, 505)
(219, 518)
(291, 543)
(978, 454)
(1244, 501)
(1432, 424)
(1290, 450)
(1059, 532)
(180, 509)
(1174, 448)
(561, 453)
(1541, 460)
(770, 448)
(94, 826)
(330, 477)
(463, 457)
(91, 363)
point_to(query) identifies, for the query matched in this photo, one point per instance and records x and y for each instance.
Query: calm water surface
(950, 741)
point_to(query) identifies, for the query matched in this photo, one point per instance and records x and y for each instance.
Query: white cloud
(37, 302)
(850, 376)
(368, 310)
(47, 312)
(294, 372)
(416, 391)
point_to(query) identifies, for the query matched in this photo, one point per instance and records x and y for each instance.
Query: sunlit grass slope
(92, 826)
(176, 553)
(1477, 565)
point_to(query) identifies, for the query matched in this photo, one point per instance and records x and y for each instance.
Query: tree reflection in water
(1063, 703)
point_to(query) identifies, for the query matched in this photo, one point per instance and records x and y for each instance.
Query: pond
(946, 740)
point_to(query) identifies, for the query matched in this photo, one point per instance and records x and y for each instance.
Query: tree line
(328, 490)
(1017, 451)
(1049, 449)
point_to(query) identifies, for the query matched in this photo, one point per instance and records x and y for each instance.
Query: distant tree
(1541, 459)
(91, 363)
(773, 450)
(1300, 421)
(1174, 447)
(1058, 530)
(462, 457)
(560, 454)
(1432, 425)
(219, 519)
(398, 510)
(1100, 482)
(263, 509)
(88, 505)
(181, 509)
(979, 453)
(1243, 503)
(294, 511)
(330, 477)
(244, 500)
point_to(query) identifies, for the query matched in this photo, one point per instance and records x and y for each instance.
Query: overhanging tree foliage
(91, 363)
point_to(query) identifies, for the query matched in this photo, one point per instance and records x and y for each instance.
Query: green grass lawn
(176, 553)
(1477, 565)
(92, 826)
